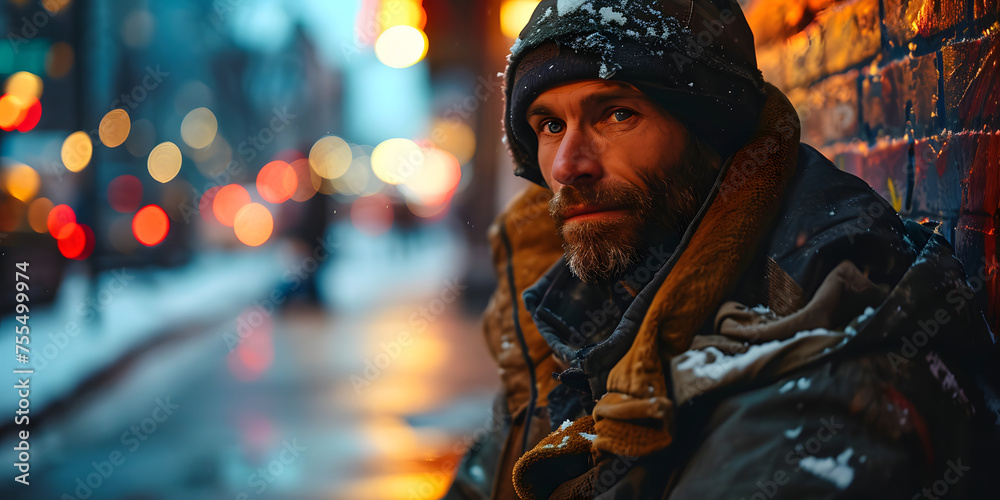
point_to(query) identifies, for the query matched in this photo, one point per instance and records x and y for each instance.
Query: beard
(598, 251)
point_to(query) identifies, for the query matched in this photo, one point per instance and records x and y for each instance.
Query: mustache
(616, 196)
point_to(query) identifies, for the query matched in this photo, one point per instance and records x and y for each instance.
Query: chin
(598, 252)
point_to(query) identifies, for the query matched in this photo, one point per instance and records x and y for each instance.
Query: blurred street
(251, 245)
(368, 401)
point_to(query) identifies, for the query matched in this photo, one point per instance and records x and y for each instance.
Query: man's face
(622, 170)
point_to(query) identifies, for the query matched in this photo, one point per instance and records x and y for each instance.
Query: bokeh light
(372, 215)
(330, 157)
(22, 182)
(60, 221)
(38, 214)
(13, 110)
(150, 225)
(277, 182)
(32, 115)
(304, 189)
(455, 137)
(19, 112)
(395, 160)
(91, 242)
(432, 212)
(114, 128)
(125, 193)
(77, 150)
(253, 224)
(514, 15)
(78, 242)
(56, 6)
(165, 162)
(24, 84)
(359, 179)
(401, 13)
(435, 179)
(199, 128)
(401, 46)
(228, 201)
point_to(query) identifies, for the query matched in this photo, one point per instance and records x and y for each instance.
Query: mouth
(591, 212)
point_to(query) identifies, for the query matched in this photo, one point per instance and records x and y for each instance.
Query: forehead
(586, 91)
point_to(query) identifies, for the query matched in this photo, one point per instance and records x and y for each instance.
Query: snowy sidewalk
(91, 326)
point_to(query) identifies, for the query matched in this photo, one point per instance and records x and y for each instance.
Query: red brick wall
(904, 94)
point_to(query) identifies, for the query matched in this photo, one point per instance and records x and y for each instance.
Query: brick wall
(904, 94)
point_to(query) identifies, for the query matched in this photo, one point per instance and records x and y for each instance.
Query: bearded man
(710, 309)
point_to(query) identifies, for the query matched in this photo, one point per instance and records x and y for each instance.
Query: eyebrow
(597, 97)
(537, 110)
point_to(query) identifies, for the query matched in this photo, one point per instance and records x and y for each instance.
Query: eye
(621, 114)
(551, 127)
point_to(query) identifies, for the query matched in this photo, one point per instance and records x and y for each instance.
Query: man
(711, 309)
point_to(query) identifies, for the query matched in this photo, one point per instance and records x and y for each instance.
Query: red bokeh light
(60, 221)
(78, 241)
(33, 113)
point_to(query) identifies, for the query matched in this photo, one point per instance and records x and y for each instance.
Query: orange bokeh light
(229, 200)
(38, 214)
(125, 193)
(277, 182)
(253, 224)
(13, 111)
(61, 220)
(150, 225)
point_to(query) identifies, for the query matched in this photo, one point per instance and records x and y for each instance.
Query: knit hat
(695, 58)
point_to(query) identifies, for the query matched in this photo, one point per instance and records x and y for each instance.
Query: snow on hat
(693, 57)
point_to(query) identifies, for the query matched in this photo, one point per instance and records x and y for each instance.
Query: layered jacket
(791, 266)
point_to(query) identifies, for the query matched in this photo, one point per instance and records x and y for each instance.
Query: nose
(577, 160)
